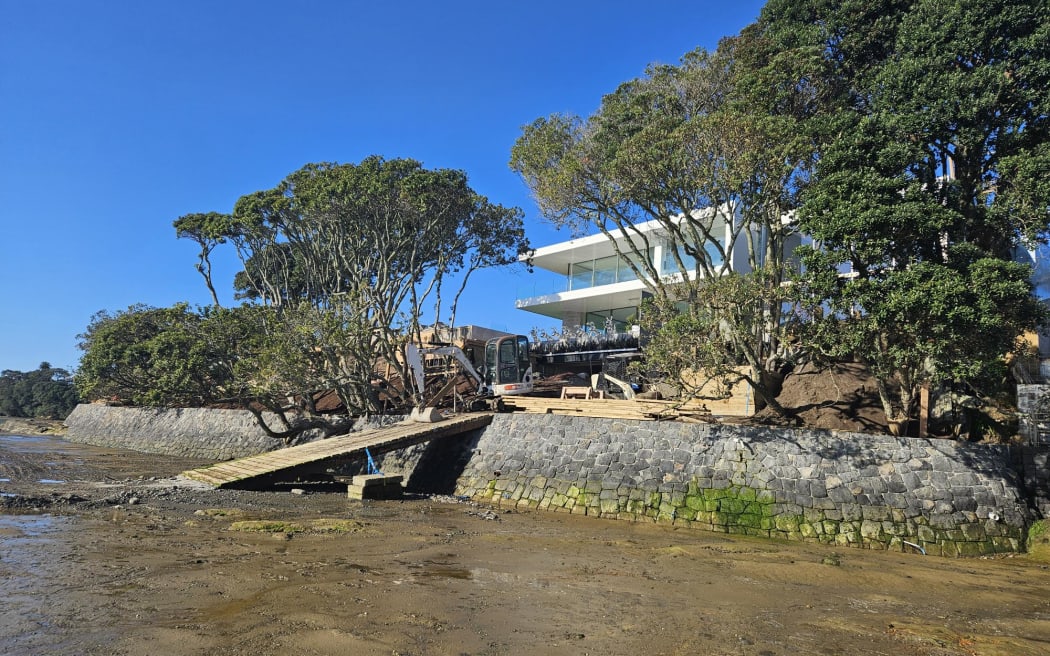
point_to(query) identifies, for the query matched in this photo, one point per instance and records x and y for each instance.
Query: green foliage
(681, 149)
(924, 324)
(208, 231)
(660, 148)
(353, 256)
(385, 231)
(340, 261)
(930, 120)
(911, 136)
(717, 335)
(1038, 542)
(150, 357)
(252, 356)
(46, 393)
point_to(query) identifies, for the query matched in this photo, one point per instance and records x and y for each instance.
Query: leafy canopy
(931, 123)
(682, 150)
(341, 262)
(46, 393)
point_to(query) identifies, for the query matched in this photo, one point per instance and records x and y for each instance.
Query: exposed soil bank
(129, 565)
(20, 426)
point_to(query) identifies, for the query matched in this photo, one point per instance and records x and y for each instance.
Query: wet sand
(110, 562)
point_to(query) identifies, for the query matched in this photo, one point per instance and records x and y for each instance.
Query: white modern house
(600, 288)
(599, 300)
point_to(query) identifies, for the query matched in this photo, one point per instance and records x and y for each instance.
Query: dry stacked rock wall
(840, 488)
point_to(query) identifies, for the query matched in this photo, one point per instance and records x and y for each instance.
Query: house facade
(600, 298)
(601, 291)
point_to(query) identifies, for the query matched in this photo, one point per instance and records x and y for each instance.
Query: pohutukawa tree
(682, 149)
(342, 262)
(931, 120)
(208, 230)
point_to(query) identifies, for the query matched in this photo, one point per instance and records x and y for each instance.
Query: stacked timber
(720, 399)
(638, 409)
(375, 486)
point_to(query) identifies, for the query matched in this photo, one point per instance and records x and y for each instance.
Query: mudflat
(108, 552)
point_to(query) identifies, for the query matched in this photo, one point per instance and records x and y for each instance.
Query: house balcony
(581, 301)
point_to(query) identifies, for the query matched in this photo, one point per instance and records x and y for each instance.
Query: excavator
(505, 370)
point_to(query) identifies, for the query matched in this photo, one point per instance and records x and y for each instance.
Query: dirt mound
(841, 397)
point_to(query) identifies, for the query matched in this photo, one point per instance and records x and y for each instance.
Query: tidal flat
(109, 552)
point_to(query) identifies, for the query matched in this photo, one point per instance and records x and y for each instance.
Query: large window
(581, 275)
(619, 320)
(602, 271)
(669, 265)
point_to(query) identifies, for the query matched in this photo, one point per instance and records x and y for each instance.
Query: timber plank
(383, 439)
(202, 477)
(639, 410)
(233, 468)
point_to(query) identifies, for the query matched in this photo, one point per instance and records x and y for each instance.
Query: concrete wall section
(1035, 467)
(187, 432)
(848, 489)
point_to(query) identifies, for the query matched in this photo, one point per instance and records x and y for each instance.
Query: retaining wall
(843, 488)
(187, 432)
(873, 491)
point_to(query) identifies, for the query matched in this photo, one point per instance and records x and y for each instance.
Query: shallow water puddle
(444, 572)
(24, 552)
(29, 566)
(26, 443)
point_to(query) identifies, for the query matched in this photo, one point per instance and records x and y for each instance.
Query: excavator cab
(507, 367)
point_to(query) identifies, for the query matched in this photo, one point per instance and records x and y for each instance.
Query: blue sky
(119, 116)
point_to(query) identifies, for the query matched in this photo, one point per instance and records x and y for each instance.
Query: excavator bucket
(426, 415)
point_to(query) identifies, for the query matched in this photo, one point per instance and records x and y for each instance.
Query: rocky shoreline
(23, 426)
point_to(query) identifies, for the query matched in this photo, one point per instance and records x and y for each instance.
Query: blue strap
(372, 469)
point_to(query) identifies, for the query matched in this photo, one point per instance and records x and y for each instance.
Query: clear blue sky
(119, 116)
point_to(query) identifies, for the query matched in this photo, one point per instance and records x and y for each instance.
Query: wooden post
(924, 410)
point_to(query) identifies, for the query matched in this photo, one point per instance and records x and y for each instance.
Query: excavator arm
(414, 359)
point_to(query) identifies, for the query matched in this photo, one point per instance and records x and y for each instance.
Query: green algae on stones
(1039, 540)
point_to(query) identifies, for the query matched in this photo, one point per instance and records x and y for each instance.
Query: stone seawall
(1034, 464)
(871, 491)
(187, 432)
(850, 489)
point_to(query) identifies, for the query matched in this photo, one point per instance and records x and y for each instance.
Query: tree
(47, 392)
(680, 148)
(931, 120)
(360, 253)
(208, 231)
(246, 356)
(707, 340)
(341, 261)
(150, 357)
(922, 324)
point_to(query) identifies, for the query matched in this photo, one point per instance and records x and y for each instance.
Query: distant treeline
(46, 393)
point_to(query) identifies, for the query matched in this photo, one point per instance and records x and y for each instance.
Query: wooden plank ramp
(243, 472)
